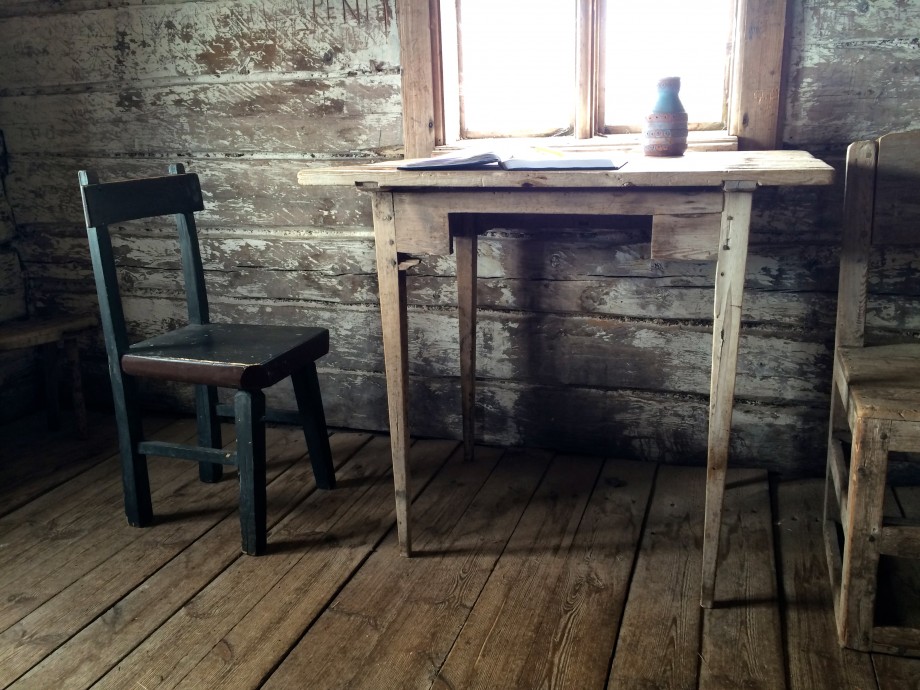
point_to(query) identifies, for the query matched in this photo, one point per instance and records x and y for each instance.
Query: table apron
(422, 217)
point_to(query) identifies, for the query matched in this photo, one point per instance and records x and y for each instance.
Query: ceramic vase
(665, 132)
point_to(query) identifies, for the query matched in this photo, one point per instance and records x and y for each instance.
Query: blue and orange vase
(665, 132)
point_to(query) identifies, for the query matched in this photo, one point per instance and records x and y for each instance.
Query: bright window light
(517, 66)
(668, 38)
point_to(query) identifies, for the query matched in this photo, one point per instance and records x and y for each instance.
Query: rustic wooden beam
(757, 75)
(414, 18)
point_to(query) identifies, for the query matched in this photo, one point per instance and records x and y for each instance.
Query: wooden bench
(49, 334)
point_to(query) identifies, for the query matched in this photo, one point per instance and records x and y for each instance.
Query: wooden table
(700, 206)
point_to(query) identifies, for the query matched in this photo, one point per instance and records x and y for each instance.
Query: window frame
(753, 109)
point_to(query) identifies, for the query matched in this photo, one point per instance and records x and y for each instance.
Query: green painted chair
(247, 358)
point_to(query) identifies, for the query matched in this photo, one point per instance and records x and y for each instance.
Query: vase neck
(668, 101)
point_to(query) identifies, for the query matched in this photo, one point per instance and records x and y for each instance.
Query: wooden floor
(536, 570)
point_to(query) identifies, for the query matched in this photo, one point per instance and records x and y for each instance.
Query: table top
(693, 169)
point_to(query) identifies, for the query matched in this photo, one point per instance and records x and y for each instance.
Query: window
(589, 53)
(516, 63)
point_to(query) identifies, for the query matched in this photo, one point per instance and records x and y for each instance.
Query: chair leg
(250, 457)
(865, 499)
(313, 419)
(208, 431)
(135, 481)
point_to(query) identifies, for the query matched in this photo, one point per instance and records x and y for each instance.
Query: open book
(525, 159)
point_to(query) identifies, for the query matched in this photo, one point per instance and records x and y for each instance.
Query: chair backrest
(881, 207)
(105, 204)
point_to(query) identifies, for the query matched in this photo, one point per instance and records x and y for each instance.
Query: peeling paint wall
(585, 343)
(854, 70)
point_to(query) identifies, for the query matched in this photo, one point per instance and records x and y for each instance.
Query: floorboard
(742, 640)
(493, 647)
(534, 570)
(409, 609)
(659, 641)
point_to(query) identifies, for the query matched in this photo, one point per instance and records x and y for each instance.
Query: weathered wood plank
(402, 625)
(12, 285)
(533, 347)
(896, 672)
(13, 8)
(181, 42)
(325, 117)
(541, 254)
(420, 84)
(798, 317)
(801, 313)
(60, 552)
(41, 632)
(667, 174)
(622, 423)
(583, 612)
(841, 87)
(814, 657)
(239, 191)
(659, 639)
(406, 611)
(493, 648)
(757, 79)
(35, 470)
(99, 485)
(136, 612)
(545, 253)
(686, 237)
(896, 210)
(333, 536)
(742, 637)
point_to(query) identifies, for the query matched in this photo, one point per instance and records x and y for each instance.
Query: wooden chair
(244, 357)
(875, 406)
(50, 333)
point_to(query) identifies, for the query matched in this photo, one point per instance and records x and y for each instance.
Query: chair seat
(227, 355)
(882, 382)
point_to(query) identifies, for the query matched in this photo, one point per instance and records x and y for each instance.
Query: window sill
(717, 140)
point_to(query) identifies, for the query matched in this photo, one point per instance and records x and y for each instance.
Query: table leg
(733, 245)
(392, 286)
(465, 250)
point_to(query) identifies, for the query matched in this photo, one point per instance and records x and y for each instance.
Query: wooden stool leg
(313, 420)
(72, 350)
(865, 500)
(49, 354)
(250, 457)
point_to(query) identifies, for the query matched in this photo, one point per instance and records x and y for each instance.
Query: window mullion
(586, 67)
(418, 88)
(600, 68)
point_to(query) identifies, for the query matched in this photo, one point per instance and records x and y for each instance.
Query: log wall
(17, 371)
(585, 343)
